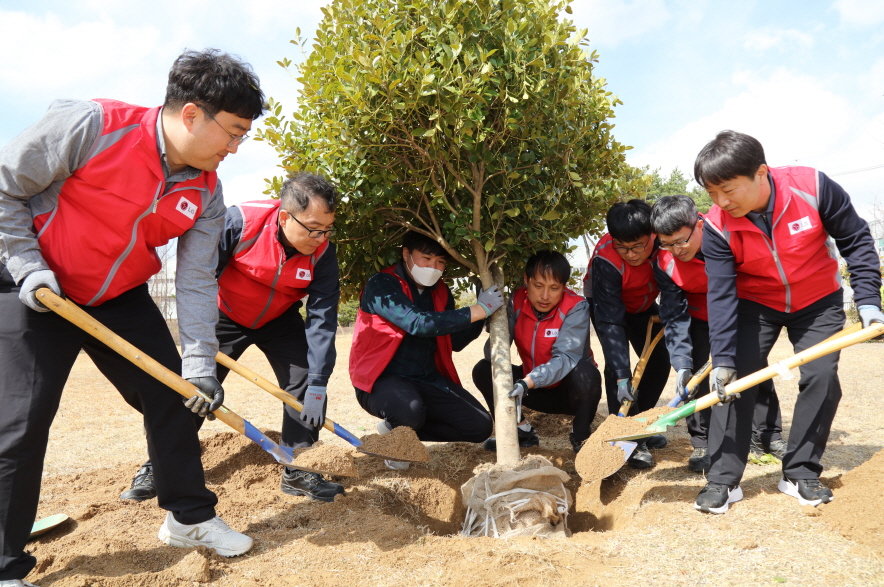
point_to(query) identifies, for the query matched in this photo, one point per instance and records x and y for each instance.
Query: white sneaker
(214, 534)
(384, 428)
(15, 583)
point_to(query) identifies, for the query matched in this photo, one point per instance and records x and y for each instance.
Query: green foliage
(347, 312)
(478, 123)
(676, 183)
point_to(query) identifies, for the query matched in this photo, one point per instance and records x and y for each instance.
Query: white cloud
(860, 12)
(766, 39)
(612, 23)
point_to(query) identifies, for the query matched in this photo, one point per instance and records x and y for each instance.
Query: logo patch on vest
(800, 225)
(302, 273)
(551, 333)
(187, 207)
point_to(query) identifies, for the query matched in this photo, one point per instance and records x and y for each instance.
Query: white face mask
(425, 276)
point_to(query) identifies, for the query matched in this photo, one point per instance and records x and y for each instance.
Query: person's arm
(230, 236)
(854, 241)
(197, 289)
(609, 315)
(35, 162)
(676, 320)
(721, 299)
(567, 350)
(323, 293)
(384, 296)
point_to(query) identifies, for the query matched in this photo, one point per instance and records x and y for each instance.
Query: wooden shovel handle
(850, 336)
(639, 370)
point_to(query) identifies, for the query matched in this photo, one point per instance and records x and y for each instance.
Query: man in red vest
(86, 196)
(550, 326)
(621, 290)
(768, 244)
(401, 359)
(680, 271)
(272, 255)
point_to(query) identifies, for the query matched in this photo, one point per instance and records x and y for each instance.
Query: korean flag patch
(551, 333)
(303, 273)
(187, 207)
(800, 225)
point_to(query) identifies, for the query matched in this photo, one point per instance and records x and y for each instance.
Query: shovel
(76, 316)
(849, 336)
(287, 398)
(642, 362)
(691, 387)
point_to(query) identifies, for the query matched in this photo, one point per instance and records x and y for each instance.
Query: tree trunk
(501, 373)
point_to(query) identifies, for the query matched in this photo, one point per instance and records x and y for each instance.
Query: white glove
(869, 314)
(34, 281)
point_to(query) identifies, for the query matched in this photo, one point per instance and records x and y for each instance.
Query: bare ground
(395, 528)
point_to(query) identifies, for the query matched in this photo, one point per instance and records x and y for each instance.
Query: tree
(477, 123)
(676, 183)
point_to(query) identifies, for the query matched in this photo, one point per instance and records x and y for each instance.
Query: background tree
(477, 123)
(676, 183)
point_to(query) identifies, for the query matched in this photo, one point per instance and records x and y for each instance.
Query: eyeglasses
(235, 140)
(678, 244)
(312, 232)
(633, 249)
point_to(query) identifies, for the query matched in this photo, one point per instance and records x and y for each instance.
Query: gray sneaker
(214, 534)
(699, 461)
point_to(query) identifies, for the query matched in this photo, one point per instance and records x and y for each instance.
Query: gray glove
(520, 388)
(313, 411)
(719, 379)
(209, 387)
(490, 299)
(868, 314)
(625, 391)
(681, 383)
(34, 281)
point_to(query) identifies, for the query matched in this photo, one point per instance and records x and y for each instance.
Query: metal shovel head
(627, 447)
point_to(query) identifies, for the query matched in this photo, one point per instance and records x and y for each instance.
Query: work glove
(625, 391)
(490, 299)
(34, 281)
(719, 379)
(682, 377)
(520, 388)
(313, 411)
(867, 314)
(209, 387)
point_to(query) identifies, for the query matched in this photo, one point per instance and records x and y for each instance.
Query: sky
(804, 77)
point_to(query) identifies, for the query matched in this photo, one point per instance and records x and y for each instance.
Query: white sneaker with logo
(15, 583)
(214, 534)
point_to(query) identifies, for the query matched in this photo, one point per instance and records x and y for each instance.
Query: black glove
(719, 379)
(210, 388)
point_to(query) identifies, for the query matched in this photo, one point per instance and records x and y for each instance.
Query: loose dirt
(327, 459)
(401, 444)
(398, 528)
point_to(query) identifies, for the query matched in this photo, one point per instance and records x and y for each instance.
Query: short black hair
(629, 221)
(298, 190)
(214, 81)
(550, 263)
(671, 213)
(730, 154)
(415, 241)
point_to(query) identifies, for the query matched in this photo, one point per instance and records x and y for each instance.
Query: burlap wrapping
(529, 499)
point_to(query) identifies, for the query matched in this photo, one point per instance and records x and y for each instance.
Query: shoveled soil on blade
(401, 444)
(401, 528)
(327, 459)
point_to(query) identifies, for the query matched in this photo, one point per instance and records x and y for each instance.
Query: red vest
(375, 341)
(690, 277)
(639, 288)
(798, 265)
(535, 338)
(101, 233)
(259, 283)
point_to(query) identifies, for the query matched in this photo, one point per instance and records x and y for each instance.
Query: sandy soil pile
(395, 528)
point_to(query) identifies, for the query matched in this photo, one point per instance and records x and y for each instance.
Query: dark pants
(439, 410)
(819, 390)
(578, 394)
(766, 422)
(37, 352)
(656, 370)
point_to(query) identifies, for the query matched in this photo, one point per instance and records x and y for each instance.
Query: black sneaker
(806, 491)
(142, 487)
(777, 448)
(756, 447)
(641, 458)
(526, 440)
(656, 441)
(297, 482)
(715, 498)
(699, 461)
